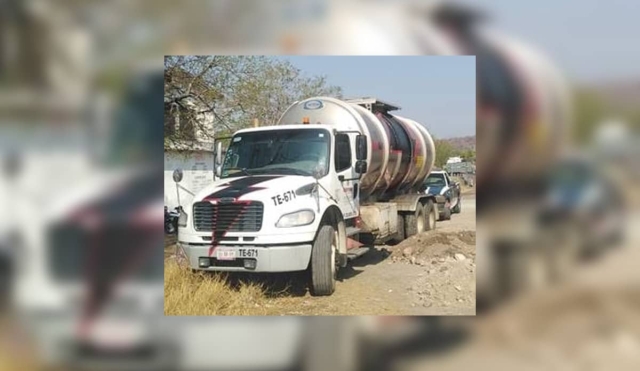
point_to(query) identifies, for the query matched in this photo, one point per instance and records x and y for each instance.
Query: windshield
(294, 152)
(435, 180)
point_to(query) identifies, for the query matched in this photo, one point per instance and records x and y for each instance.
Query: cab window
(342, 152)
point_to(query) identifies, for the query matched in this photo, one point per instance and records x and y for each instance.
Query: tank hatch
(374, 105)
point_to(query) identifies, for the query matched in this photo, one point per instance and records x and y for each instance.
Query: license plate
(117, 334)
(232, 254)
(225, 254)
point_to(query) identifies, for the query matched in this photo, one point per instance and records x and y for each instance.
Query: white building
(196, 162)
(454, 160)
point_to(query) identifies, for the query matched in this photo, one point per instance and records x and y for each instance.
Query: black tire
(431, 215)
(526, 269)
(323, 262)
(415, 222)
(400, 235)
(457, 208)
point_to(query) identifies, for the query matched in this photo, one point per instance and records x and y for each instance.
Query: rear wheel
(323, 261)
(416, 222)
(431, 213)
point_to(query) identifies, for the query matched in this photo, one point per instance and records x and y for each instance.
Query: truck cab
(280, 189)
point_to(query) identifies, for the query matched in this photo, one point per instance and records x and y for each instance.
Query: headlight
(299, 218)
(182, 219)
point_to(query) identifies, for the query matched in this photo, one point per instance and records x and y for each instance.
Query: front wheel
(323, 261)
(415, 223)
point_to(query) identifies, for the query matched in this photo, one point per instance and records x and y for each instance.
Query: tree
(444, 150)
(221, 94)
(468, 155)
(589, 112)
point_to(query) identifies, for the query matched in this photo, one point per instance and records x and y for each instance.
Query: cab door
(347, 187)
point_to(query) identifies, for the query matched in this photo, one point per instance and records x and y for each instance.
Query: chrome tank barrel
(523, 103)
(523, 110)
(400, 152)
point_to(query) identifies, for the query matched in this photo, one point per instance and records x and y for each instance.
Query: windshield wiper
(243, 170)
(291, 171)
(286, 170)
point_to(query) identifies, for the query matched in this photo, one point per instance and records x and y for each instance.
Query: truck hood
(253, 187)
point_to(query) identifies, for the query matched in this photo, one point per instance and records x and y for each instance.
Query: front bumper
(272, 258)
(57, 344)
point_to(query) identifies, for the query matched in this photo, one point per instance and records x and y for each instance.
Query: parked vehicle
(303, 193)
(439, 183)
(171, 220)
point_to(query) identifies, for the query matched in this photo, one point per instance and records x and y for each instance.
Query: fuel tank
(401, 152)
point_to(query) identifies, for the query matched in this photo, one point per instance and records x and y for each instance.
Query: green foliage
(444, 150)
(221, 94)
(468, 155)
(589, 111)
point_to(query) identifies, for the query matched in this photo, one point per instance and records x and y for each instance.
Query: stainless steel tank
(401, 152)
(523, 103)
(523, 112)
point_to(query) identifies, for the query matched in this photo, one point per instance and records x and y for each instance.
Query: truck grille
(231, 217)
(109, 249)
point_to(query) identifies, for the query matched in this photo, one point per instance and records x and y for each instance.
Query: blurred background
(557, 142)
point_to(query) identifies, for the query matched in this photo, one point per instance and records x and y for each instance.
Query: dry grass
(16, 352)
(206, 294)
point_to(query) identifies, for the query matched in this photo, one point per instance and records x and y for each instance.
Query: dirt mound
(428, 246)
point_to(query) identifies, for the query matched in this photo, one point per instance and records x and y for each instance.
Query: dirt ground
(429, 274)
(590, 322)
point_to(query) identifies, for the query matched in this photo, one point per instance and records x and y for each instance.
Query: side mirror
(361, 167)
(177, 175)
(219, 153)
(361, 147)
(218, 171)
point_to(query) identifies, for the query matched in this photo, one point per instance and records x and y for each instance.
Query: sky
(590, 40)
(438, 92)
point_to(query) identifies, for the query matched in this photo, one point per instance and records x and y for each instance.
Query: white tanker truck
(294, 195)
